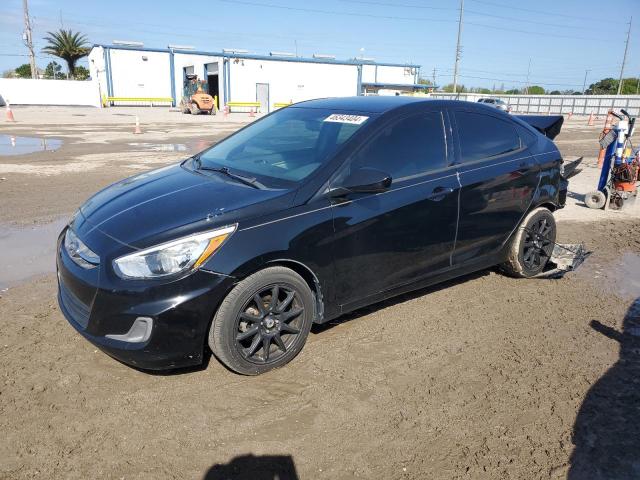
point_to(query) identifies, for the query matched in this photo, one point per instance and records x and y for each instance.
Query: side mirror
(363, 180)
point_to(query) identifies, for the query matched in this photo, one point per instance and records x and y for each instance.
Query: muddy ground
(483, 377)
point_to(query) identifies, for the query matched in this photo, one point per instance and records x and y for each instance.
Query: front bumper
(179, 313)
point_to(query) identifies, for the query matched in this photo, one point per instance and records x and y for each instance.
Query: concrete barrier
(27, 91)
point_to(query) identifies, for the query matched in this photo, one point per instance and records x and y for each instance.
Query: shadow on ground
(606, 433)
(405, 297)
(252, 467)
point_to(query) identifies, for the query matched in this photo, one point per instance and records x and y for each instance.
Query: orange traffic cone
(590, 120)
(10, 114)
(252, 113)
(570, 115)
(226, 111)
(137, 130)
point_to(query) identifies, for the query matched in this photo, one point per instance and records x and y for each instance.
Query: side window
(410, 146)
(483, 136)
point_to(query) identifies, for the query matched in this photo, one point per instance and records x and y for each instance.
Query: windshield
(286, 146)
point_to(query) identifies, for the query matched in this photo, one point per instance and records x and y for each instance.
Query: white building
(129, 73)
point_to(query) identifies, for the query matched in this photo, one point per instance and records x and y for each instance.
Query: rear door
(498, 178)
(393, 238)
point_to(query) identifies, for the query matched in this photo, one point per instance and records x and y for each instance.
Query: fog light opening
(139, 332)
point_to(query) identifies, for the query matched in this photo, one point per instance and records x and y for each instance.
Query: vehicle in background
(194, 99)
(311, 212)
(496, 103)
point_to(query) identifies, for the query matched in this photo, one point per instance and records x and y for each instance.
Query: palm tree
(67, 45)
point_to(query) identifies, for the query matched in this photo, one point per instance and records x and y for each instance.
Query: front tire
(532, 245)
(194, 109)
(264, 321)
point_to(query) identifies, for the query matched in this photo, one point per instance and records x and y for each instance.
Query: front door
(262, 96)
(499, 178)
(393, 238)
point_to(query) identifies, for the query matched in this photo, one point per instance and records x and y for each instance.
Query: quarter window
(482, 136)
(408, 147)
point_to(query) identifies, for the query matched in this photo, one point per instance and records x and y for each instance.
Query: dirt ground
(483, 377)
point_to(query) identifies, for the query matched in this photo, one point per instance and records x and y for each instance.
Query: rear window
(484, 136)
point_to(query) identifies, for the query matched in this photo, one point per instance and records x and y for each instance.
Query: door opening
(262, 96)
(213, 88)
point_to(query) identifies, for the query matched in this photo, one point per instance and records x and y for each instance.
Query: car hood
(173, 201)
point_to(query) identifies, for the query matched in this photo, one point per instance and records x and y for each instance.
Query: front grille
(77, 310)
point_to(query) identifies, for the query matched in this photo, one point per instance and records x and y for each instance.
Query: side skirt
(430, 279)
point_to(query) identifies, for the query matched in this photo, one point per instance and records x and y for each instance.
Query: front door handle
(439, 193)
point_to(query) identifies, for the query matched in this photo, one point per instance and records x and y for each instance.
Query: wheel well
(308, 276)
(548, 205)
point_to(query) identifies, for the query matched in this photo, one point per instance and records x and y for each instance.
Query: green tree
(67, 45)
(425, 81)
(535, 90)
(459, 89)
(82, 73)
(609, 86)
(513, 91)
(54, 70)
(606, 86)
(23, 71)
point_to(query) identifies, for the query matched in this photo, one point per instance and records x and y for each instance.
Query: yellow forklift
(194, 99)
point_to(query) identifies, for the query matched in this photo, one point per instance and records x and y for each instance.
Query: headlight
(78, 251)
(172, 257)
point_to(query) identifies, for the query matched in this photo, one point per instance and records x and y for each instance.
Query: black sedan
(311, 212)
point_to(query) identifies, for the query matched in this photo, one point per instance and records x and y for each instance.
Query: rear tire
(595, 199)
(263, 322)
(194, 109)
(532, 245)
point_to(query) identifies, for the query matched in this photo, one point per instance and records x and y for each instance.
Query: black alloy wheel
(263, 322)
(268, 324)
(531, 245)
(537, 244)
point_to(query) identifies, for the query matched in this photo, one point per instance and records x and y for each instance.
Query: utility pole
(458, 49)
(584, 84)
(528, 73)
(27, 39)
(624, 58)
(434, 76)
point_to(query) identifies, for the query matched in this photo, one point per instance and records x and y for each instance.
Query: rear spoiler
(548, 125)
(571, 169)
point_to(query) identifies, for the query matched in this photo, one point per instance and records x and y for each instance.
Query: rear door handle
(439, 193)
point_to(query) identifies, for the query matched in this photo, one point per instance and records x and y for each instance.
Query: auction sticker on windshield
(342, 118)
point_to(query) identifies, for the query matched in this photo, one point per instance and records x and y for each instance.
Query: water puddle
(161, 147)
(621, 277)
(190, 146)
(27, 252)
(13, 145)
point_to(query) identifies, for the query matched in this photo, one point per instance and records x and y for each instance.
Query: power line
(474, 12)
(395, 17)
(539, 12)
(425, 7)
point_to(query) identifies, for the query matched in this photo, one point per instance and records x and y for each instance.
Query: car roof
(383, 104)
(372, 104)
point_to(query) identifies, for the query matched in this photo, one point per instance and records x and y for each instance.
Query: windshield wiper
(252, 182)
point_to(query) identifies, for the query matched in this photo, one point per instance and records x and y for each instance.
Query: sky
(561, 38)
